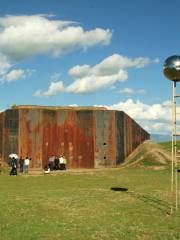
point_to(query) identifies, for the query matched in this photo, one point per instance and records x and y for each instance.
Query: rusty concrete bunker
(89, 137)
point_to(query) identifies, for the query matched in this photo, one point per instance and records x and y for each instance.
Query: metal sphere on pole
(171, 70)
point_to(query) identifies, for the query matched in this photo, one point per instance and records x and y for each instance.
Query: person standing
(51, 162)
(13, 167)
(21, 164)
(61, 162)
(56, 163)
(26, 165)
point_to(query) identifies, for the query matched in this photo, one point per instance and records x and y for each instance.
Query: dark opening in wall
(104, 143)
(105, 157)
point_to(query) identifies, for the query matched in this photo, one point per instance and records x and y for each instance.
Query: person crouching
(46, 170)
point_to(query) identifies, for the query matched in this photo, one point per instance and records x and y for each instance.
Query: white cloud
(93, 83)
(15, 74)
(167, 104)
(25, 36)
(113, 63)
(141, 111)
(73, 105)
(79, 71)
(111, 70)
(127, 91)
(54, 88)
(4, 64)
(130, 91)
(161, 126)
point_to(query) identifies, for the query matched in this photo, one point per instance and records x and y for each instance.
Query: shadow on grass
(119, 189)
(154, 202)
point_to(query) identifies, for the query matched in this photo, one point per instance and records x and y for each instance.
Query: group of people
(22, 163)
(55, 163)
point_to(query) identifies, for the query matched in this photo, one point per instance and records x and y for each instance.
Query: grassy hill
(149, 155)
(168, 145)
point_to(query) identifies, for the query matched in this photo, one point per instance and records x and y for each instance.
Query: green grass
(168, 145)
(149, 161)
(81, 205)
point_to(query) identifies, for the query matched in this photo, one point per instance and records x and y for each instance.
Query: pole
(173, 136)
(175, 149)
(174, 191)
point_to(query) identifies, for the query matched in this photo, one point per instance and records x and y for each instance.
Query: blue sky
(107, 53)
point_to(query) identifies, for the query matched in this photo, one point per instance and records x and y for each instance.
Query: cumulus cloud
(15, 74)
(4, 64)
(130, 91)
(93, 83)
(73, 105)
(25, 36)
(113, 69)
(142, 111)
(54, 88)
(79, 71)
(109, 71)
(161, 126)
(115, 62)
(127, 90)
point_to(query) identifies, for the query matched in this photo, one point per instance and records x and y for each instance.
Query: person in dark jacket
(51, 162)
(56, 163)
(13, 167)
(21, 164)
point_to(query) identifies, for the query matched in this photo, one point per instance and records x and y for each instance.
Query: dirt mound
(148, 155)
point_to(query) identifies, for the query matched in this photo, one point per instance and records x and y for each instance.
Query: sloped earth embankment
(148, 155)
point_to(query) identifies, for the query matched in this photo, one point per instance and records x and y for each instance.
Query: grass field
(168, 145)
(81, 205)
